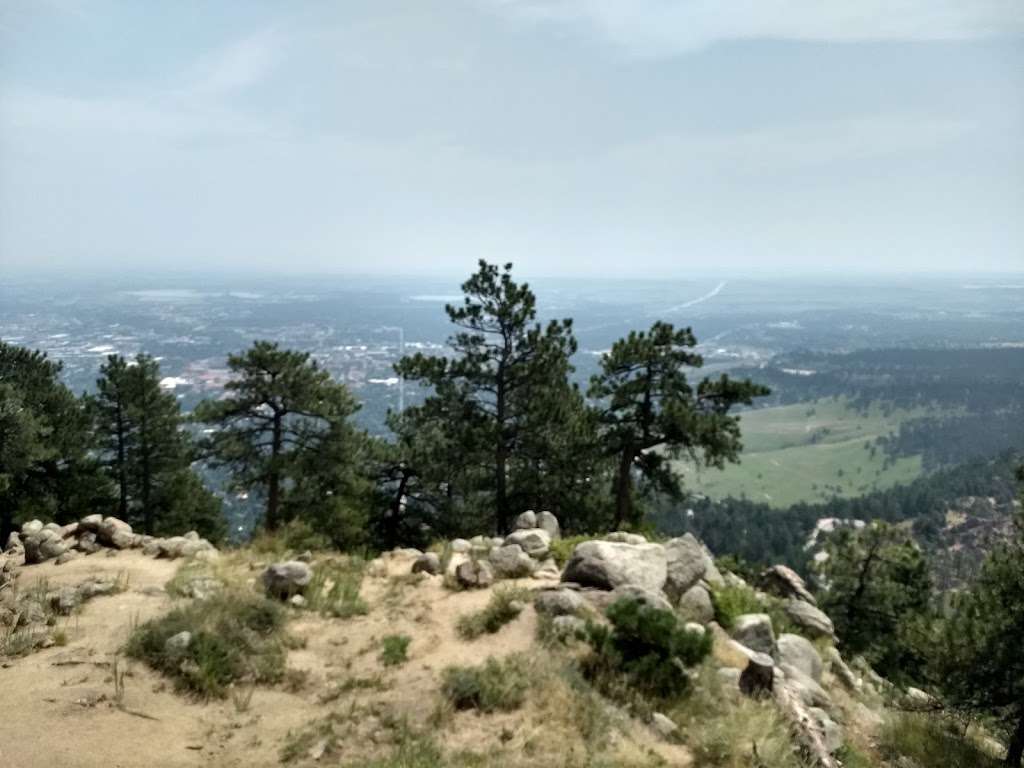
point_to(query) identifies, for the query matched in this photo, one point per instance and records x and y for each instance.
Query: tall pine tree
(651, 415)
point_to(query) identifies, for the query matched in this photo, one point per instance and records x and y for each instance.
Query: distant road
(709, 295)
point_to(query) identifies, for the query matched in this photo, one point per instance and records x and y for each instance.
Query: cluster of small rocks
(39, 542)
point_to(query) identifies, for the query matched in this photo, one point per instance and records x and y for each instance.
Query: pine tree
(877, 590)
(502, 360)
(651, 415)
(45, 467)
(978, 662)
(281, 410)
(139, 429)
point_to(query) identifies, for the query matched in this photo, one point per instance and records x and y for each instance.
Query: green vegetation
(790, 457)
(644, 650)
(394, 650)
(334, 588)
(733, 601)
(232, 637)
(496, 685)
(504, 606)
(931, 741)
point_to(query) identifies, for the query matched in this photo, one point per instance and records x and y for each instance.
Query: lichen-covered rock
(809, 618)
(510, 562)
(686, 563)
(282, 580)
(643, 596)
(609, 564)
(800, 653)
(548, 522)
(536, 542)
(755, 631)
(558, 602)
(474, 574)
(695, 605)
(428, 562)
(782, 581)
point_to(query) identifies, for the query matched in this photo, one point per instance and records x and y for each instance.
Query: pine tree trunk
(273, 480)
(122, 469)
(623, 489)
(1015, 751)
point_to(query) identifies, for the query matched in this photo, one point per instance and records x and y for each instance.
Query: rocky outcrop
(474, 574)
(511, 562)
(754, 630)
(809, 618)
(695, 605)
(686, 564)
(559, 602)
(536, 542)
(798, 652)
(428, 562)
(608, 564)
(282, 580)
(784, 582)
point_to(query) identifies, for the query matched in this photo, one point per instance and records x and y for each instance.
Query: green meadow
(809, 452)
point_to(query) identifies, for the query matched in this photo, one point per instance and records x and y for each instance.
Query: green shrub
(732, 602)
(293, 536)
(334, 588)
(496, 685)
(646, 650)
(235, 636)
(932, 741)
(505, 605)
(394, 650)
(561, 549)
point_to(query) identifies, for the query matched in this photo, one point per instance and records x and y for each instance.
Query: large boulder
(45, 544)
(643, 596)
(842, 671)
(804, 687)
(30, 527)
(535, 542)
(282, 580)
(799, 652)
(695, 605)
(754, 630)
(558, 602)
(510, 562)
(428, 562)
(115, 533)
(474, 574)
(686, 564)
(608, 564)
(91, 523)
(809, 618)
(548, 522)
(14, 544)
(87, 543)
(784, 582)
(525, 521)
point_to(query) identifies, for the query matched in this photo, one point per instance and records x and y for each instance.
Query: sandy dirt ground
(59, 706)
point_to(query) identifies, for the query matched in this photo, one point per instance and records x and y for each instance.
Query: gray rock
(804, 687)
(624, 537)
(191, 536)
(91, 523)
(14, 543)
(460, 546)
(305, 557)
(510, 562)
(32, 526)
(87, 543)
(758, 678)
(695, 605)
(784, 582)
(567, 627)
(919, 701)
(172, 547)
(643, 596)
(547, 569)
(841, 670)
(428, 562)
(176, 645)
(664, 725)
(755, 631)
(693, 626)
(799, 652)
(730, 676)
(202, 587)
(526, 520)
(115, 533)
(43, 545)
(66, 600)
(548, 522)
(831, 731)
(67, 557)
(711, 573)
(68, 531)
(96, 588)
(809, 618)
(297, 601)
(558, 602)
(686, 564)
(474, 574)
(535, 542)
(608, 564)
(282, 580)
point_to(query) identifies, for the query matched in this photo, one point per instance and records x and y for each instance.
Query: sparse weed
(233, 636)
(241, 696)
(504, 606)
(931, 741)
(334, 589)
(394, 650)
(561, 549)
(496, 685)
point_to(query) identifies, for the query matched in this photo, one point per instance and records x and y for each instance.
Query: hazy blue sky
(604, 136)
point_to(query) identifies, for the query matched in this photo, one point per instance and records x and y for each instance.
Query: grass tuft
(504, 606)
(334, 589)
(496, 685)
(931, 741)
(394, 650)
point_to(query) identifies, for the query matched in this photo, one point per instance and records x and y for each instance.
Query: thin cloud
(668, 27)
(237, 65)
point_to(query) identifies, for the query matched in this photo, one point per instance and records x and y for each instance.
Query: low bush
(734, 601)
(294, 536)
(495, 685)
(394, 650)
(504, 606)
(645, 650)
(234, 636)
(931, 741)
(561, 549)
